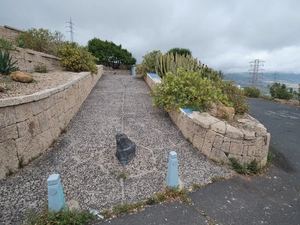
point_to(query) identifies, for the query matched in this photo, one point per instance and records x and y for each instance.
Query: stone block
(199, 137)
(8, 159)
(236, 147)
(226, 145)
(9, 132)
(208, 142)
(37, 107)
(204, 119)
(45, 139)
(23, 112)
(233, 132)
(174, 114)
(43, 120)
(245, 150)
(22, 143)
(251, 150)
(7, 116)
(248, 134)
(218, 155)
(218, 142)
(219, 127)
(187, 127)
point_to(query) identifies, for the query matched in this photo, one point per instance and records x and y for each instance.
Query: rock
(2, 89)
(125, 148)
(222, 111)
(21, 77)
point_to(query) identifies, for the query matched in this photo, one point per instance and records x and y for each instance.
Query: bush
(235, 96)
(6, 45)
(187, 90)
(41, 40)
(77, 59)
(148, 63)
(278, 90)
(251, 92)
(6, 64)
(40, 68)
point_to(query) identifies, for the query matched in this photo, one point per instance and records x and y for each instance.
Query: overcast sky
(224, 34)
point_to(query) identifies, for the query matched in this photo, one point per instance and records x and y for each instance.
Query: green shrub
(278, 90)
(40, 68)
(42, 40)
(148, 63)
(235, 96)
(187, 90)
(245, 168)
(6, 64)
(251, 92)
(6, 45)
(77, 59)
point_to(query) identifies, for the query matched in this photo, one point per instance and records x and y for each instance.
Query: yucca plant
(6, 64)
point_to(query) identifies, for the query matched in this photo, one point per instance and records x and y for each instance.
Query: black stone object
(125, 148)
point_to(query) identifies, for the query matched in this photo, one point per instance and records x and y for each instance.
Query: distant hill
(244, 79)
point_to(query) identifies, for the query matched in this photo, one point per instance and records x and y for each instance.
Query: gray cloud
(225, 35)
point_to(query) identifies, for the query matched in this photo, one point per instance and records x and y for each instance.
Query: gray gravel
(85, 155)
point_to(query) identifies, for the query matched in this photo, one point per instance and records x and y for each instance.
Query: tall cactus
(170, 63)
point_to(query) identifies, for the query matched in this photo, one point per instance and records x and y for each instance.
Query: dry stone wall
(246, 141)
(29, 124)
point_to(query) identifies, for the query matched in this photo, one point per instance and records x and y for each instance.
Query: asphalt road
(271, 198)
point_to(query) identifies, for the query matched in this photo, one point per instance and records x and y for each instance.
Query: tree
(180, 51)
(110, 54)
(278, 90)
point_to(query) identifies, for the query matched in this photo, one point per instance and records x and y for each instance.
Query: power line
(255, 71)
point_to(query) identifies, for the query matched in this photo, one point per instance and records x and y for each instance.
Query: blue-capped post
(56, 199)
(172, 174)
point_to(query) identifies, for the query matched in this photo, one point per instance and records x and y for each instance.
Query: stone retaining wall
(30, 124)
(27, 58)
(246, 140)
(9, 33)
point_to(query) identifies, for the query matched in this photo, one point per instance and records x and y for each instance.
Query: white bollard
(56, 199)
(172, 174)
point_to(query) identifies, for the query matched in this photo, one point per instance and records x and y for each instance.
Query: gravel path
(84, 156)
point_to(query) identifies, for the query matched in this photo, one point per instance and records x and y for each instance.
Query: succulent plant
(6, 64)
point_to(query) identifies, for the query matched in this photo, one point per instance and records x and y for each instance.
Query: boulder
(21, 77)
(2, 89)
(125, 148)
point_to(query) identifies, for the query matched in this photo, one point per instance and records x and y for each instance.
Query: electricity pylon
(255, 71)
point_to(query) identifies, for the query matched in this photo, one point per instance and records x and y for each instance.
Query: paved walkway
(85, 155)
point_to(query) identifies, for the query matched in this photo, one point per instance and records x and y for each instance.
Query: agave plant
(6, 64)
